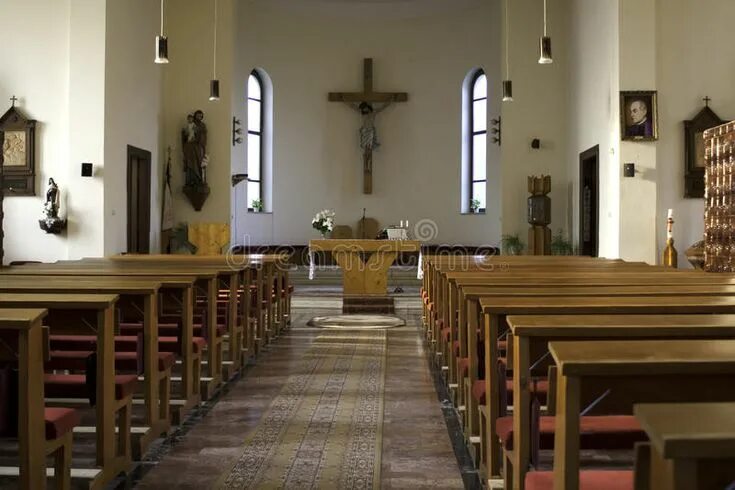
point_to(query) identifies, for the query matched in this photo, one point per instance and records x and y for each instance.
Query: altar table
(365, 263)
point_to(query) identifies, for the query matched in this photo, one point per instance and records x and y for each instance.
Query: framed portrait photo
(639, 115)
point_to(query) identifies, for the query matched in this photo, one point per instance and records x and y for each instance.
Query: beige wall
(133, 113)
(186, 89)
(539, 110)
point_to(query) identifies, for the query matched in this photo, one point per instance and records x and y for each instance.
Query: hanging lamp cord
(507, 40)
(162, 18)
(545, 18)
(214, 68)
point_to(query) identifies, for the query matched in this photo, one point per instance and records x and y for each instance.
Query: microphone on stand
(363, 223)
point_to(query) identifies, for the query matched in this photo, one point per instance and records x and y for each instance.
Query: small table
(366, 276)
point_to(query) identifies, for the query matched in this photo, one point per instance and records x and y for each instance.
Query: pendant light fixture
(545, 43)
(214, 83)
(507, 83)
(161, 44)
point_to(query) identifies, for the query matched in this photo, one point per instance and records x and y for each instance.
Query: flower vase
(326, 235)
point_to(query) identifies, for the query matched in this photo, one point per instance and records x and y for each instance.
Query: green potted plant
(257, 205)
(560, 245)
(512, 245)
(474, 205)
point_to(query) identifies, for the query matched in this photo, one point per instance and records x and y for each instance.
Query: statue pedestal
(197, 195)
(52, 226)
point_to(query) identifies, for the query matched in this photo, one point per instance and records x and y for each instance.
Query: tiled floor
(417, 452)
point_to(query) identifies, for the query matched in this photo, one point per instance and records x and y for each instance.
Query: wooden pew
(444, 278)
(458, 283)
(458, 324)
(32, 443)
(266, 267)
(495, 309)
(229, 276)
(112, 453)
(633, 372)
(530, 336)
(692, 445)
(473, 292)
(140, 290)
(206, 280)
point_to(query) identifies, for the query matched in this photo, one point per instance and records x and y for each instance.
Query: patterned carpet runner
(324, 429)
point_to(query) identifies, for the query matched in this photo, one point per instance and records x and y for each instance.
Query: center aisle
(322, 409)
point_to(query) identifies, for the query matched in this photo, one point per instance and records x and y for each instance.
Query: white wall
(85, 231)
(594, 111)
(638, 72)
(133, 113)
(317, 159)
(34, 54)
(695, 59)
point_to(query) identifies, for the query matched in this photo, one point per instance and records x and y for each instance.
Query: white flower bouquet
(323, 221)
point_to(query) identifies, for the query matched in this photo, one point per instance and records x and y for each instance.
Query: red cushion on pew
(456, 347)
(588, 480)
(74, 385)
(478, 391)
(502, 345)
(60, 421)
(439, 324)
(596, 432)
(124, 361)
(431, 306)
(128, 361)
(464, 366)
(171, 344)
(539, 388)
(426, 300)
(446, 332)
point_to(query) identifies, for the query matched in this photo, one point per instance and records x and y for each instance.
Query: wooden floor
(416, 449)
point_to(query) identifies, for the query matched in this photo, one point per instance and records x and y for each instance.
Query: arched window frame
(473, 134)
(260, 134)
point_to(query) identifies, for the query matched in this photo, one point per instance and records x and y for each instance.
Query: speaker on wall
(86, 170)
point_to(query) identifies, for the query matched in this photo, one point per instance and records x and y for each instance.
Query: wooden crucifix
(365, 103)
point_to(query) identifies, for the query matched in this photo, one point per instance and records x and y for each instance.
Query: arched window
(477, 154)
(255, 147)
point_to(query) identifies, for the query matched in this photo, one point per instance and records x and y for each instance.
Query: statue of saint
(51, 207)
(194, 143)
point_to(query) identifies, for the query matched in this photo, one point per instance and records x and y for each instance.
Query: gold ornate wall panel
(719, 198)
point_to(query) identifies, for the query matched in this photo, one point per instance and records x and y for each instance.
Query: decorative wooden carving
(539, 215)
(19, 152)
(694, 149)
(719, 213)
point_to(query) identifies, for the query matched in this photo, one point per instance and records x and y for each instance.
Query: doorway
(139, 200)
(589, 202)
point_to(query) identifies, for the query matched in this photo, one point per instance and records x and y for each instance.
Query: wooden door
(139, 200)
(589, 202)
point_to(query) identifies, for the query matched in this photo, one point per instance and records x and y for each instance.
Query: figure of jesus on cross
(363, 102)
